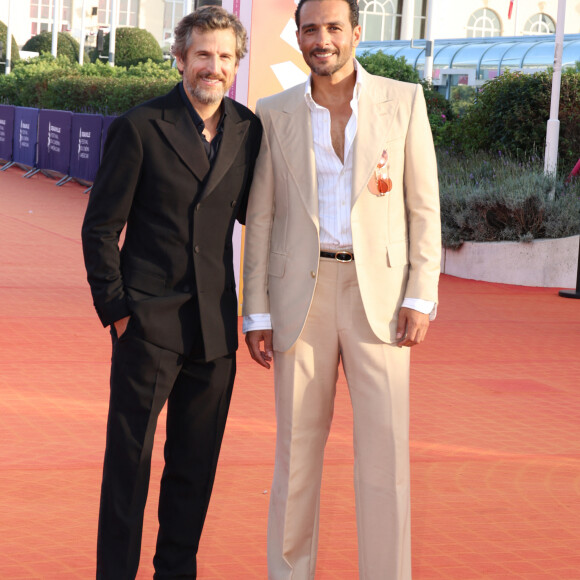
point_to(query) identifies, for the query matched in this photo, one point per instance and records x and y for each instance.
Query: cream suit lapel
(375, 123)
(293, 128)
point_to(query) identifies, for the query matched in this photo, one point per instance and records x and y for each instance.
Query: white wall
(450, 17)
(20, 18)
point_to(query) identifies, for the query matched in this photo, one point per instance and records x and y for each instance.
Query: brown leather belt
(343, 256)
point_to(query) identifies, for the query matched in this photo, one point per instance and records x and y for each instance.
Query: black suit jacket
(155, 179)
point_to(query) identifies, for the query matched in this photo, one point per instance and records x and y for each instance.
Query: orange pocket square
(380, 184)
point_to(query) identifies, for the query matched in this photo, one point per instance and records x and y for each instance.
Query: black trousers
(143, 378)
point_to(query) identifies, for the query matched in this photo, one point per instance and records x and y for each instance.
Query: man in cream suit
(341, 263)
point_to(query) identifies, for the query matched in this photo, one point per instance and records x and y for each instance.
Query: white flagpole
(553, 127)
(8, 65)
(55, 26)
(112, 32)
(82, 42)
(407, 20)
(517, 4)
(429, 44)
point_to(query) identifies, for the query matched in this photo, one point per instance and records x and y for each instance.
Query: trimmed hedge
(66, 45)
(107, 96)
(15, 51)
(49, 83)
(132, 46)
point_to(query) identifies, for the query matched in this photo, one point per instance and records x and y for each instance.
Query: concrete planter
(543, 263)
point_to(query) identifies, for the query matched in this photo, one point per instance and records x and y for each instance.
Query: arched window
(420, 19)
(483, 22)
(380, 19)
(540, 24)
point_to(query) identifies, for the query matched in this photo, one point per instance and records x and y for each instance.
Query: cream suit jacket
(396, 238)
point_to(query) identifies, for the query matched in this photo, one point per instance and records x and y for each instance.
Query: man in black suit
(175, 174)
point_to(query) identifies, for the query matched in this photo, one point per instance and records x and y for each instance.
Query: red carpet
(495, 426)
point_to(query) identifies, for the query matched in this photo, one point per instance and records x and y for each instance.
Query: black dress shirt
(210, 148)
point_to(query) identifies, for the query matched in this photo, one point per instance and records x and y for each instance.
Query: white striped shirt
(334, 177)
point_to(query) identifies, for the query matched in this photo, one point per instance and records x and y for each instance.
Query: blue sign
(25, 136)
(54, 129)
(85, 153)
(6, 131)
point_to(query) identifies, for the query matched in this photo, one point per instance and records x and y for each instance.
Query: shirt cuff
(424, 306)
(256, 322)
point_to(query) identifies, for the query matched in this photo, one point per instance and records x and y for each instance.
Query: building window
(174, 11)
(381, 19)
(42, 16)
(540, 24)
(127, 15)
(420, 19)
(483, 22)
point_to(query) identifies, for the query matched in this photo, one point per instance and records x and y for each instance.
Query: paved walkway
(495, 426)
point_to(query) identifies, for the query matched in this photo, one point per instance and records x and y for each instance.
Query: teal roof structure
(485, 57)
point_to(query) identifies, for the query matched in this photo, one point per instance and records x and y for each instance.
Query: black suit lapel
(235, 130)
(180, 132)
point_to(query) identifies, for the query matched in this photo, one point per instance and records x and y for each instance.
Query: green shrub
(104, 95)
(144, 70)
(486, 198)
(49, 83)
(461, 99)
(386, 65)
(510, 114)
(66, 45)
(29, 79)
(132, 46)
(15, 52)
(440, 114)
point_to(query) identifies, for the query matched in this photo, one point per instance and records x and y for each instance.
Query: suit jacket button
(197, 207)
(313, 274)
(186, 288)
(196, 249)
(234, 203)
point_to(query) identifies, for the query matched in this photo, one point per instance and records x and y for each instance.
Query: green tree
(510, 115)
(386, 65)
(66, 45)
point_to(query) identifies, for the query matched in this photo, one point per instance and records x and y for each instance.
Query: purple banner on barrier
(25, 136)
(54, 129)
(85, 146)
(6, 131)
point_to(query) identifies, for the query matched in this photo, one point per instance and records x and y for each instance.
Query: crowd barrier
(56, 142)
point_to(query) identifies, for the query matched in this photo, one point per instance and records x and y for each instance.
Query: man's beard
(207, 96)
(322, 70)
